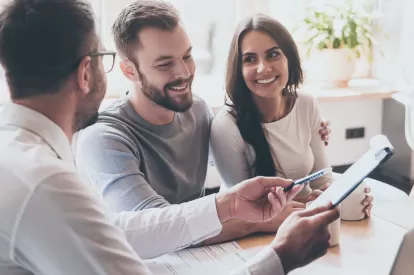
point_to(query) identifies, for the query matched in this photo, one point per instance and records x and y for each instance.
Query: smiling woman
(259, 54)
(267, 128)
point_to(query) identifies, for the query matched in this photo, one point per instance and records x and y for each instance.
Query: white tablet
(380, 151)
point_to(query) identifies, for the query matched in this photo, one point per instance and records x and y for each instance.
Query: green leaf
(336, 43)
(322, 45)
(340, 25)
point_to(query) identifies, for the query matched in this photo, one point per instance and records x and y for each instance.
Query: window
(396, 66)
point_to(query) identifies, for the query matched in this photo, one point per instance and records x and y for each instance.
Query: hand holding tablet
(381, 150)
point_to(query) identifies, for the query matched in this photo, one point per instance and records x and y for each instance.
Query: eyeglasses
(108, 59)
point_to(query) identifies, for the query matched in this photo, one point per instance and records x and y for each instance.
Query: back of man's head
(41, 42)
(138, 15)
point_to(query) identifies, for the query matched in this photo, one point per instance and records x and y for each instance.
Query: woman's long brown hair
(239, 97)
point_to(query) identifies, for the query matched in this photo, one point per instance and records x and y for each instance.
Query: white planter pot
(363, 67)
(335, 67)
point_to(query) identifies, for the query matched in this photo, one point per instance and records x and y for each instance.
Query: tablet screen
(348, 181)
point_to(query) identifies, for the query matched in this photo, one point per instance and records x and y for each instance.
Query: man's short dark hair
(41, 42)
(138, 15)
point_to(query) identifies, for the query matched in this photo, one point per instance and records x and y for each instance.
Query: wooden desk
(399, 212)
(383, 192)
(366, 247)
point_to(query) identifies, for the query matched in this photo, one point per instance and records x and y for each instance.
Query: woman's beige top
(294, 140)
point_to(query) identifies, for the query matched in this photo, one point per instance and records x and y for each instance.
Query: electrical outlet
(355, 133)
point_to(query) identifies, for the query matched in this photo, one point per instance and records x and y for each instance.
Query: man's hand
(311, 197)
(314, 194)
(325, 131)
(304, 236)
(272, 225)
(255, 200)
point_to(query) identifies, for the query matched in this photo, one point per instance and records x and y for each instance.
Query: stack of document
(211, 260)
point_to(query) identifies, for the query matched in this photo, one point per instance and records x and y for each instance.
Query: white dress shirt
(52, 222)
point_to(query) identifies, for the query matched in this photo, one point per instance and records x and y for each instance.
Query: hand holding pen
(308, 178)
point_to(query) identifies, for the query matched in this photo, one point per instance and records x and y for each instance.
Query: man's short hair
(138, 15)
(41, 43)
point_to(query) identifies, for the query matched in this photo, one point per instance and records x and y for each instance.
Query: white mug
(352, 209)
(334, 229)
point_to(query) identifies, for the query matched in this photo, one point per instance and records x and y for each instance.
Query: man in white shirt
(51, 221)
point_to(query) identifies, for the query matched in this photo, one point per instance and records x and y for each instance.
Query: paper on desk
(211, 260)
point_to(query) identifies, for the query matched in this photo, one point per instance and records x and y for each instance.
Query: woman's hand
(325, 131)
(367, 202)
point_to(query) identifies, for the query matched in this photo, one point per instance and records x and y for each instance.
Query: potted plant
(335, 37)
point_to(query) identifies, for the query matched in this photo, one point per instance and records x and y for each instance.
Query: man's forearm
(232, 229)
(266, 262)
(153, 232)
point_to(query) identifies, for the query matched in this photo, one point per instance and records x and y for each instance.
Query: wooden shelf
(358, 89)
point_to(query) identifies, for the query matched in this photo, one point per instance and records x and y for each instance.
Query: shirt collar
(33, 121)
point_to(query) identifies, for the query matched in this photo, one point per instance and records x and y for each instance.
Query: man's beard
(93, 118)
(88, 115)
(86, 118)
(162, 98)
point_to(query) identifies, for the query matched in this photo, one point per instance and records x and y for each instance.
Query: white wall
(351, 114)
